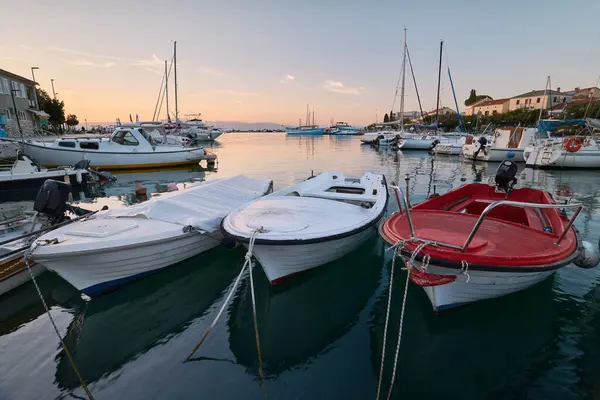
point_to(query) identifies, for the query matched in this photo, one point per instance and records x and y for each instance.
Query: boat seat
(341, 196)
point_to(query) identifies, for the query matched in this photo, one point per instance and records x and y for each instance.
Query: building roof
(492, 102)
(539, 93)
(15, 76)
(441, 109)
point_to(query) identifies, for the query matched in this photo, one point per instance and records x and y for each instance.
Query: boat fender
(433, 144)
(573, 145)
(79, 176)
(588, 256)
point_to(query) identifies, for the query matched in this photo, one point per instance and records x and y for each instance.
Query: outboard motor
(51, 200)
(505, 176)
(82, 164)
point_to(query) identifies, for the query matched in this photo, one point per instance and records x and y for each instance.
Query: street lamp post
(53, 92)
(12, 94)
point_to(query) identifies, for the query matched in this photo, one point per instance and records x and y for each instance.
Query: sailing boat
(307, 128)
(410, 140)
(192, 130)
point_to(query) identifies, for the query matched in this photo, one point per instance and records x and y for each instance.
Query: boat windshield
(125, 138)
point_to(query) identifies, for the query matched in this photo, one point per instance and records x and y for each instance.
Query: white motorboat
(197, 130)
(118, 246)
(311, 223)
(127, 148)
(451, 146)
(580, 151)
(381, 137)
(26, 172)
(506, 142)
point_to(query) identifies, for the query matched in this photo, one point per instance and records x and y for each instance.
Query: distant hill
(246, 126)
(226, 125)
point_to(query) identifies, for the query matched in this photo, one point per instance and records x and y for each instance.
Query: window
(564, 99)
(89, 145)
(518, 101)
(125, 138)
(15, 86)
(494, 112)
(66, 144)
(538, 100)
(487, 113)
(23, 92)
(22, 115)
(3, 86)
(554, 99)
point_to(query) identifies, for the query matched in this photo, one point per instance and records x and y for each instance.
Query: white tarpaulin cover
(202, 206)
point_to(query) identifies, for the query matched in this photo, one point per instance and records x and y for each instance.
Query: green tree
(386, 118)
(472, 98)
(54, 108)
(72, 120)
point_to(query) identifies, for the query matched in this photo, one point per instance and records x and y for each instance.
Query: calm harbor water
(321, 333)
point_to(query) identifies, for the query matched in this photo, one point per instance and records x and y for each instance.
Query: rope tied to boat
(397, 247)
(28, 257)
(464, 270)
(248, 263)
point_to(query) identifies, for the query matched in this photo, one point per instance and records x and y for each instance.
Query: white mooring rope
(27, 258)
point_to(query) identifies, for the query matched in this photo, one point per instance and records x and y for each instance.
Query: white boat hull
(560, 158)
(50, 156)
(493, 155)
(284, 261)
(416, 144)
(481, 285)
(96, 273)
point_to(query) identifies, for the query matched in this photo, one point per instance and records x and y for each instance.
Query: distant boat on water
(308, 128)
(342, 128)
(305, 130)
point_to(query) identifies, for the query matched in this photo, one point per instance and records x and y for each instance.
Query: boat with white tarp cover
(117, 246)
(309, 224)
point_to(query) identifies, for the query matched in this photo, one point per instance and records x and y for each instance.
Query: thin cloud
(338, 87)
(287, 78)
(83, 53)
(236, 93)
(89, 63)
(153, 64)
(211, 71)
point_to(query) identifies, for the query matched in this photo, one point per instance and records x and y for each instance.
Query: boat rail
(482, 217)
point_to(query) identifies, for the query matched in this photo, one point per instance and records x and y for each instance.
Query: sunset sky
(263, 61)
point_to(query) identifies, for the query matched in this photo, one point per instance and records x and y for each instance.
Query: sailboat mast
(545, 93)
(412, 71)
(313, 115)
(167, 91)
(403, 82)
(175, 66)
(437, 103)
(307, 120)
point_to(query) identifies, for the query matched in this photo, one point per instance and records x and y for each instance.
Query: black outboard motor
(51, 200)
(82, 164)
(433, 144)
(505, 176)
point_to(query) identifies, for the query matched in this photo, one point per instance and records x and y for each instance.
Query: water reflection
(485, 350)
(113, 330)
(300, 318)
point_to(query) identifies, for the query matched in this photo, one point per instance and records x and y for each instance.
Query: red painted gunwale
(499, 242)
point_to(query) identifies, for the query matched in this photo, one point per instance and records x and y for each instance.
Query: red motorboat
(481, 241)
